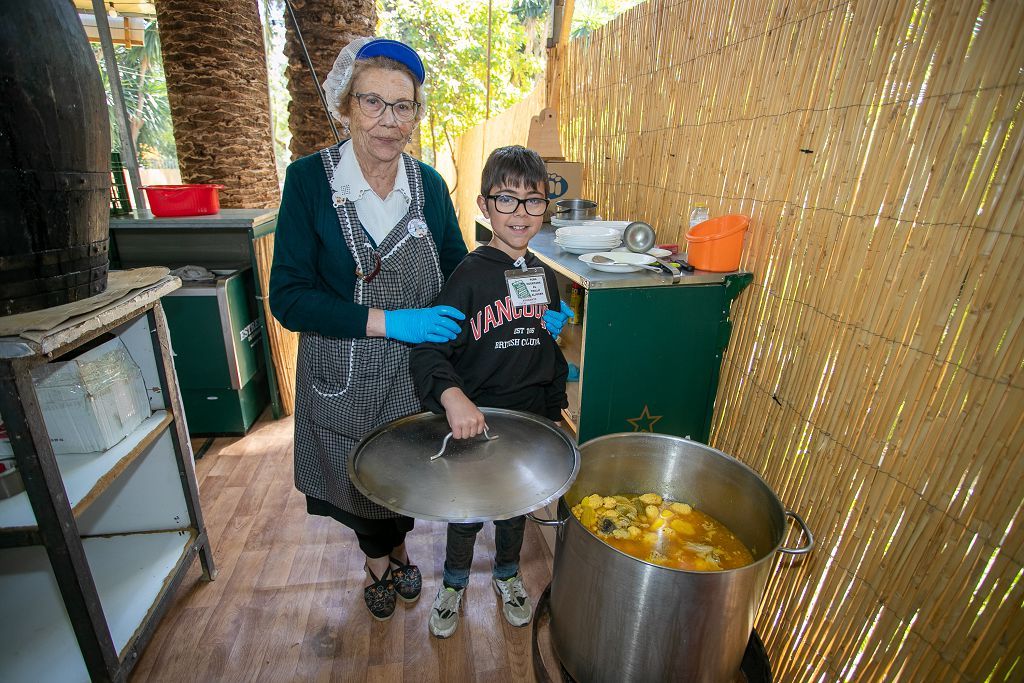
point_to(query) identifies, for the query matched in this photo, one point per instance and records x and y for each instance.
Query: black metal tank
(54, 159)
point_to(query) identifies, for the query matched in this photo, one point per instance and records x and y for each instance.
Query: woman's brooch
(417, 228)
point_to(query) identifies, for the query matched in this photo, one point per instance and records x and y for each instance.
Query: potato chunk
(683, 527)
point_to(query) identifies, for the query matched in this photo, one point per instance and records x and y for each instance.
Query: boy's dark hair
(513, 166)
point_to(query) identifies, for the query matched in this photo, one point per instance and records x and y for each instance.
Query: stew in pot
(664, 532)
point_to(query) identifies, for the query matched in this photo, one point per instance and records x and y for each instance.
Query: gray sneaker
(444, 615)
(515, 603)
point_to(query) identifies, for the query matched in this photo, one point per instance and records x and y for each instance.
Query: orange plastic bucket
(716, 244)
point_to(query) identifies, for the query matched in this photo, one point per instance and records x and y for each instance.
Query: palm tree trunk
(216, 72)
(217, 89)
(327, 26)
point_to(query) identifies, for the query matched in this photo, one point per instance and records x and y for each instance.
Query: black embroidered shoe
(380, 595)
(407, 579)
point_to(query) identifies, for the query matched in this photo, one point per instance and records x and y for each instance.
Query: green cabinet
(216, 335)
(649, 346)
(221, 241)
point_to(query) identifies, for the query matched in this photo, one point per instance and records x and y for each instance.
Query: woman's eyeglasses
(506, 203)
(374, 106)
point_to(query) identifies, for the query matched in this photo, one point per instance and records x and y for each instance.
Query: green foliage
(451, 37)
(272, 13)
(145, 94)
(590, 15)
(530, 9)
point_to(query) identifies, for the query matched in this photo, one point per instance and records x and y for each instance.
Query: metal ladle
(639, 237)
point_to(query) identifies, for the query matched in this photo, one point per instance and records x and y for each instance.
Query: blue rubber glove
(418, 325)
(555, 320)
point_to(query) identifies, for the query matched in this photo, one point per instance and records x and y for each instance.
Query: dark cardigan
(313, 277)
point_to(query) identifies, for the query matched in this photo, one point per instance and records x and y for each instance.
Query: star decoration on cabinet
(644, 422)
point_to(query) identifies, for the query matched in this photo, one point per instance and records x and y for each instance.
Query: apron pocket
(346, 384)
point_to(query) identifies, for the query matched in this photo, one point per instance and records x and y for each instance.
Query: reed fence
(874, 374)
(284, 344)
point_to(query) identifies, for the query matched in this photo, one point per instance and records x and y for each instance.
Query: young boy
(497, 360)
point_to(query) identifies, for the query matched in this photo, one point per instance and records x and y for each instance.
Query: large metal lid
(527, 463)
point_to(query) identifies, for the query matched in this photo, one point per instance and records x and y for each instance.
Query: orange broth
(663, 532)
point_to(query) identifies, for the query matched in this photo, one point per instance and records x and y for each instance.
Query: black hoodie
(503, 357)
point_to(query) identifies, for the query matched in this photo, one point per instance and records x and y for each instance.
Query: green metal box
(216, 335)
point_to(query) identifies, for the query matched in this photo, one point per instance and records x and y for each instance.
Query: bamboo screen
(874, 373)
(284, 344)
(471, 149)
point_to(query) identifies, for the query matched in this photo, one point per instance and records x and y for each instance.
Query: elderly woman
(366, 237)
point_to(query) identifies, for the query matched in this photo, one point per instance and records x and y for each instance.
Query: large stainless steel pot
(617, 618)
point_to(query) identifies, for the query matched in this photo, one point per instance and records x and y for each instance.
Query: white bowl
(627, 261)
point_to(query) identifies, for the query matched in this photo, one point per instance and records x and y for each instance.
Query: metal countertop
(226, 219)
(544, 246)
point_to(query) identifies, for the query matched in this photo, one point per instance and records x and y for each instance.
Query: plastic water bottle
(698, 214)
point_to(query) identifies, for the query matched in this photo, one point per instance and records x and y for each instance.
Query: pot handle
(444, 444)
(546, 522)
(807, 534)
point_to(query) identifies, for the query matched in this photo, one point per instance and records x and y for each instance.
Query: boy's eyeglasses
(506, 203)
(375, 106)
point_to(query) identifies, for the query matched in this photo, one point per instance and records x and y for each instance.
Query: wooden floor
(287, 602)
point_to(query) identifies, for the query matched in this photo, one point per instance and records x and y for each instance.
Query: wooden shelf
(571, 415)
(119, 529)
(37, 642)
(87, 475)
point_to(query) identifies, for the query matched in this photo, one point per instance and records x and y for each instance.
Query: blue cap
(400, 52)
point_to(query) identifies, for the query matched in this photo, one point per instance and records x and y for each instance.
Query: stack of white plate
(580, 239)
(595, 223)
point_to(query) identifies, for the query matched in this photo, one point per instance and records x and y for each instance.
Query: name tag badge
(527, 287)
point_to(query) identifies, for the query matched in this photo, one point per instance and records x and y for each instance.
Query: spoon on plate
(597, 258)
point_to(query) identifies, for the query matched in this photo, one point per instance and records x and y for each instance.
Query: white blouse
(377, 215)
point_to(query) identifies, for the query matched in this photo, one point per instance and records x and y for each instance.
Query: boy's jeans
(508, 541)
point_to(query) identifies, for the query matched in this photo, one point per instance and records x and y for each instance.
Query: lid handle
(444, 444)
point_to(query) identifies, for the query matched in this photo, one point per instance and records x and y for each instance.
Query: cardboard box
(93, 401)
(565, 181)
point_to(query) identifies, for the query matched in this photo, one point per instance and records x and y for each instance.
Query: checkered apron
(347, 387)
